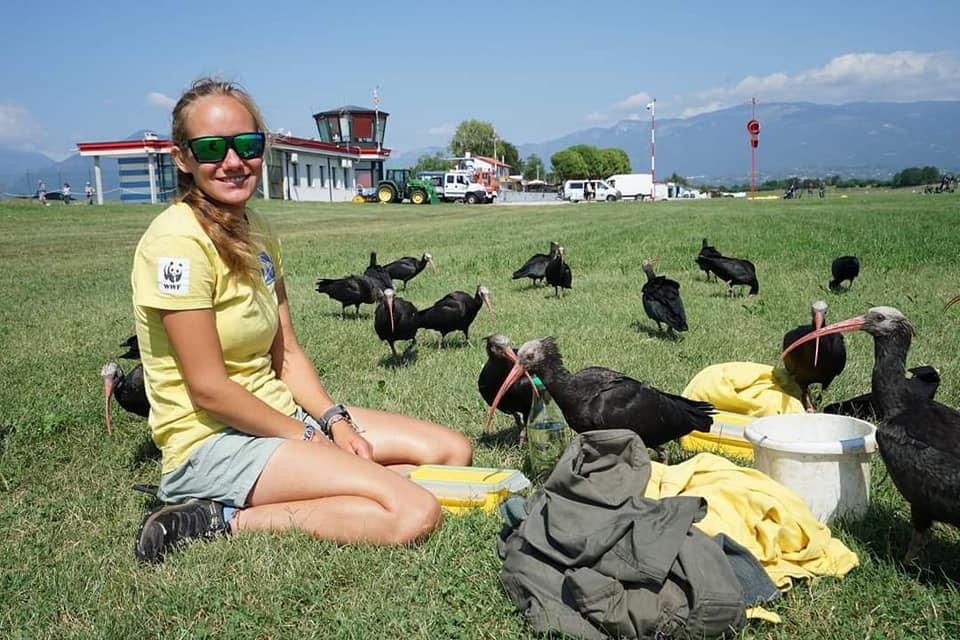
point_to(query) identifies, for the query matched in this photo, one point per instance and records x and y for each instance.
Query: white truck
(638, 186)
(573, 190)
(457, 186)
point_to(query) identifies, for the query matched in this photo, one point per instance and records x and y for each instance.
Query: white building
(349, 155)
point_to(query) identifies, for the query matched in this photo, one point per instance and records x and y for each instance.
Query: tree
(508, 153)
(436, 162)
(533, 168)
(474, 136)
(568, 164)
(613, 161)
(592, 159)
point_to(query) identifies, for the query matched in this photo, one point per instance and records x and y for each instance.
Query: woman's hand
(347, 438)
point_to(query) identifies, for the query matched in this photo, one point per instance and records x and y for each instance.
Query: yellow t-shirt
(177, 267)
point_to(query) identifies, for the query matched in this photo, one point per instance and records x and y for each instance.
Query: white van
(633, 185)
(573, 190)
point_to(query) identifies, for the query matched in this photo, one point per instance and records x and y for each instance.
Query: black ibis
(919, 438)
(394, 319)
(923, 382)
(599, 398)
(378, 274)
(351, 291)
(817, 363)
(558, 273)
(518, 399)
(733, 271)
(706, 251)
(407, 268)
(536, 267)
(455, 312)
(661, 300)
(129, 390)
(844, 269)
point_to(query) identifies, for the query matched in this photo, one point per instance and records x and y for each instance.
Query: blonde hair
(229, 234)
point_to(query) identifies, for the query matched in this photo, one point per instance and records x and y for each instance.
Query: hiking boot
(175, 524)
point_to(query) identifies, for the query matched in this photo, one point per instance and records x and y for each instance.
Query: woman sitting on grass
(250, 438)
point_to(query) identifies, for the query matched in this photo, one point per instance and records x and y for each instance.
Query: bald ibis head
(878, 322)
(818, 311)
(111, 375)
(499, 347)
(428, 259)
(484, 294)
(388, 295)
(530, 358)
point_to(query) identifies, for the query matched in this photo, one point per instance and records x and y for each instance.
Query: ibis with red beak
(919, 438)
(518, 398)
(455, 312)
(536, 267)
(816, 363)
(407, 268)
(598, 398)
(558, 272)
(128, 389)
(661, 300)
(394, 319)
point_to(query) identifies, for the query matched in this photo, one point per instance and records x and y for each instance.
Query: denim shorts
(225, 467)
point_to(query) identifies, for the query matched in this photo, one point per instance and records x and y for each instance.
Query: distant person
(587, 190)
(42, 192)
(88, 192)
(65, 193)
(810, 189)
(823, 190)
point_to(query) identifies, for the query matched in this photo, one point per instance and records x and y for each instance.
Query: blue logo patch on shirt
(266, 264)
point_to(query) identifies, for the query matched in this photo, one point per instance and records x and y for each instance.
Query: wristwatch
(335, 414)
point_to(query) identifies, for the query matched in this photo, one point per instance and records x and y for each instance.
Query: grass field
(68, 516)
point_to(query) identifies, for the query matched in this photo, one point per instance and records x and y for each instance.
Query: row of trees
(481, 139)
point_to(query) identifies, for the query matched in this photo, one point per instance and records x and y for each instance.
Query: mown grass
(67, 515)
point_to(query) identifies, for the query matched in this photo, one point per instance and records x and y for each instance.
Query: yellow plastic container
(725, 436)
(460, 489)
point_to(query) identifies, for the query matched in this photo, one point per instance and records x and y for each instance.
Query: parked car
(573, 190)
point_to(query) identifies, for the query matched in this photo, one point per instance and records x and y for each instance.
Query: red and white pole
(653, 148)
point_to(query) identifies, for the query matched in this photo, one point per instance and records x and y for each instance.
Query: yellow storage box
(460, 489)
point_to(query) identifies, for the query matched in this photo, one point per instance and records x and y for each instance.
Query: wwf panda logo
(173, 272)
(173, 276)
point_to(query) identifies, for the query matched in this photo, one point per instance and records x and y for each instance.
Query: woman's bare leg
(335, 495)
(401, 440)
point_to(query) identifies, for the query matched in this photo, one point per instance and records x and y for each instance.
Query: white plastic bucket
(824, 458)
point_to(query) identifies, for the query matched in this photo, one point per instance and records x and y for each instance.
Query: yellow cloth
(748, 506)
(177, 267)
(746, 387)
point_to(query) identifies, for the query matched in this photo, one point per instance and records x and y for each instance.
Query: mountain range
(860, 139)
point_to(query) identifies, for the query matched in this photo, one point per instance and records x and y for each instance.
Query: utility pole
(652, 108)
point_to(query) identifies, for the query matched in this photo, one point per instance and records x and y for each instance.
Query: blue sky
(76, 71)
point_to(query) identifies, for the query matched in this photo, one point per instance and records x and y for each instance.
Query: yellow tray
(460, 489)
(725, 436)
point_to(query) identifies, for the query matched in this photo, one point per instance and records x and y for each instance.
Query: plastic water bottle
(547, 434)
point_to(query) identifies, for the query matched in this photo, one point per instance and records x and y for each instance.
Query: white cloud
(17, 125)
(156, 99)
(597, 117)
(636, 101)
(894, 77)
(444, 129)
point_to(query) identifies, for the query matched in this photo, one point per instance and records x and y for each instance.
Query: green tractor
(400, 184)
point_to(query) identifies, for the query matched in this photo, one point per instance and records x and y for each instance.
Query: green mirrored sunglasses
(210, 149)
